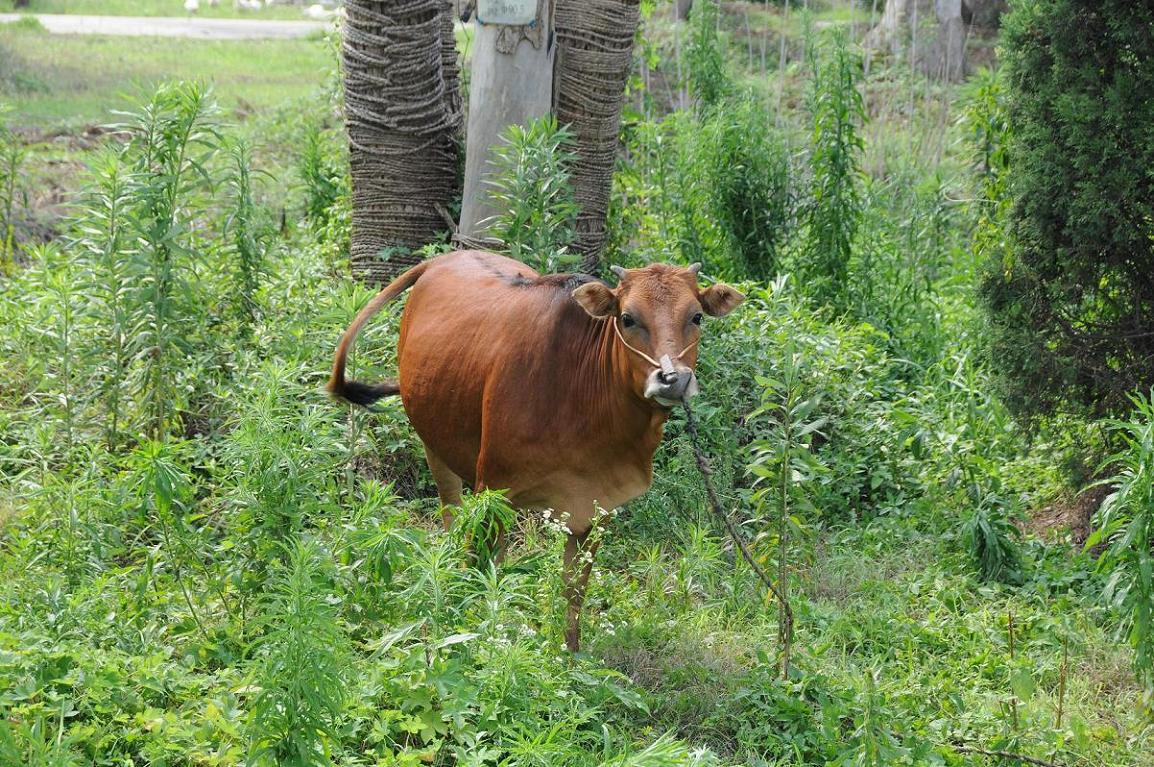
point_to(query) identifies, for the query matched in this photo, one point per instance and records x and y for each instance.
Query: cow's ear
(720, 299)
(597, 299)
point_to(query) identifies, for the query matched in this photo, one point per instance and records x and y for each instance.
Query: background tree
(1071, 302)
(933, 33)
(594, 59)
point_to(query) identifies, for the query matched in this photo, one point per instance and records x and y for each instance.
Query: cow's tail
(354, 391)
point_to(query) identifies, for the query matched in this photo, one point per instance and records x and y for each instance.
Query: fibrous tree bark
(594, 59)
(403, 117)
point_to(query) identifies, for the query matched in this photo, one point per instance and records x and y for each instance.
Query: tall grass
(174, 137)
(743, 168)
(985, 126)
(301, 666)
(12, 156)
(322, 174)
(706, 71)
(249, 230)
(105, 245)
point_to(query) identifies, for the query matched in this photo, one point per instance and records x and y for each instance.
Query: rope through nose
(642, 354)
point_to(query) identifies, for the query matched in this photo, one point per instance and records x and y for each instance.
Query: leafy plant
(993, 549)
(537, 208)
(835, 206)
(707, 75)
(322, 173)
(301, 666)
(102, 240)
(782, 460)
(250, 231)
(747, 172)
(1125, 527)
(163, 488)
(173, 137)
(482, 523)
(12, 154)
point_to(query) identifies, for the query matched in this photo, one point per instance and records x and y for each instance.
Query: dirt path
(160, 26)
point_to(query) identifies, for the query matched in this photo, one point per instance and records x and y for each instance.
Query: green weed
(537, 210)
(1126, 528)
(12, 156)
(835, 205)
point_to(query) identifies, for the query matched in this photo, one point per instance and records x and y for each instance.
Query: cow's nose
(675, 384)
(671, 385)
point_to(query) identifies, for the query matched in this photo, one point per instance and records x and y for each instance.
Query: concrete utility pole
(511, 84)
(573, 60)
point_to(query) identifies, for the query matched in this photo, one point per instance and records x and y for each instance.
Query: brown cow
(555, 387)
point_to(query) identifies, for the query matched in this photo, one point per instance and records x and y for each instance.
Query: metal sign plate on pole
(511, 12)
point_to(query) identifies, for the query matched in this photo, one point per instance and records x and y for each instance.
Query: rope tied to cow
(730, 526)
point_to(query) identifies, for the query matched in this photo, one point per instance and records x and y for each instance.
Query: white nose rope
(665, 365)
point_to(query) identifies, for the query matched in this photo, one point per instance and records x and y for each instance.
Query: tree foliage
(1071, 304)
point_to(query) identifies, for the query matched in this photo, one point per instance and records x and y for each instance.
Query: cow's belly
(579, 495)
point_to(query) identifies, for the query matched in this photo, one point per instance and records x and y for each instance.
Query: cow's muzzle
(670, 386)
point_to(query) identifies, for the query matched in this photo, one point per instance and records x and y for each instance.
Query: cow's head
(657, 312)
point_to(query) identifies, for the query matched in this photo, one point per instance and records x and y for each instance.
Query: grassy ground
(138, 629)
(52, 80)
(226, 8)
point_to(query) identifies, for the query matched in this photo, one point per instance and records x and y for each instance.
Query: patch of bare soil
(1069, 520)
(53, 163)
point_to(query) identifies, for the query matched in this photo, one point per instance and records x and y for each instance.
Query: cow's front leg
(578, 565)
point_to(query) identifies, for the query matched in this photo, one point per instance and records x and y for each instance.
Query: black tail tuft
(366, 394)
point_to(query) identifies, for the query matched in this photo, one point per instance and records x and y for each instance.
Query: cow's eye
(696, 319)
(627, 320)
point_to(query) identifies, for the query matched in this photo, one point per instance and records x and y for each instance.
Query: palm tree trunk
(403, 117)
(594, 59)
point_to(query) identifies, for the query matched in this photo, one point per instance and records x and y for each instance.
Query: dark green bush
(748, 181)
(1071, 304)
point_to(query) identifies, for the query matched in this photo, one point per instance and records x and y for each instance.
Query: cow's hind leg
(448, 486)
